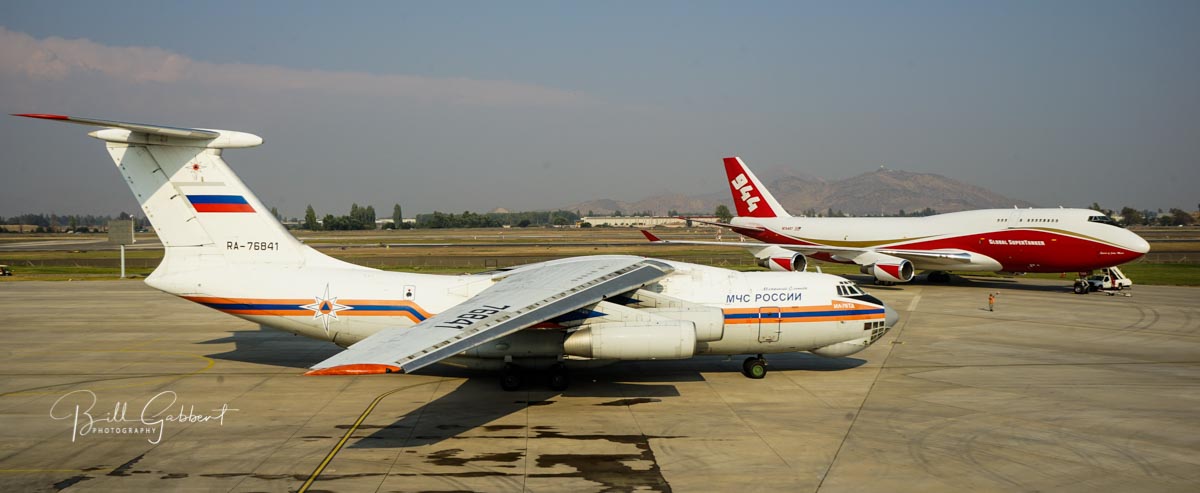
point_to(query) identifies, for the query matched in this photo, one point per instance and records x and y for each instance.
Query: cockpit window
(1103, 220)
(847, 288)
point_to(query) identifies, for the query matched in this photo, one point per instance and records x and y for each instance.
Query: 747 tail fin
(750, 197)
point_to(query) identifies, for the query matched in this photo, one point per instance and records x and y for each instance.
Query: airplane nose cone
(1139, 244)
(890, 317)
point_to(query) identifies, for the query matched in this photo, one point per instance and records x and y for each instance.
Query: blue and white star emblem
(325, 308)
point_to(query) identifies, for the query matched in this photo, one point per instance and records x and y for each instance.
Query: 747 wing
(521, 298)
(849, 253)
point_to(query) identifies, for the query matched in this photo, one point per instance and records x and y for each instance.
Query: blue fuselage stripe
(275, 307)
(830, 313)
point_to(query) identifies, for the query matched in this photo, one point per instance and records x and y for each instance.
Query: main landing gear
(559, 380)
(514, 376)
(938, 276)
(511, 379)
(755, 367)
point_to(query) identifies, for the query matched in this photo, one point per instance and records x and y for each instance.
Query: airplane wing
(519, 299)
(849, 253)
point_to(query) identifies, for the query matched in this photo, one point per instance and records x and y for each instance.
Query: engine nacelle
(795, 263)
(708, 322)
(900, 270)
(780, 259)
(673, 339)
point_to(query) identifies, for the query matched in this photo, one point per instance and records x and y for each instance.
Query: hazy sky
(458, 106)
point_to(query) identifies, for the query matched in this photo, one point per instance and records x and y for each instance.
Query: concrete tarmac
(112, 386)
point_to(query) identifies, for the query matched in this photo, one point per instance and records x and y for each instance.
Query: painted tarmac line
(362, 417)
(912, 305)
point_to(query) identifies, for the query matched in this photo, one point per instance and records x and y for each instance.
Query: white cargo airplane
(225, 251)
(892, 249)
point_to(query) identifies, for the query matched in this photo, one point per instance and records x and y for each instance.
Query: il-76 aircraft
(892, 249)
(224, 250)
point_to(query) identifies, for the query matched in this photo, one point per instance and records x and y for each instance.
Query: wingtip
(357, 369)
(44, 116)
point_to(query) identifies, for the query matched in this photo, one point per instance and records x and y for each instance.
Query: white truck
(1109, 279)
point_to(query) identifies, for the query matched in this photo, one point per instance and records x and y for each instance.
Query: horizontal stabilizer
(725, 225)
(139, 133)
(182, 133)
(650, 236)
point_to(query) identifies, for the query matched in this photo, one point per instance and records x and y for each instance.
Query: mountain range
(880, 192)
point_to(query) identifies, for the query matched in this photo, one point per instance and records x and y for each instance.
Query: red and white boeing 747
(892, 249)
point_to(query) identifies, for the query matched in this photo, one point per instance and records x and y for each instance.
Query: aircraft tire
(559, 380)
(511, 379)
(755, 368)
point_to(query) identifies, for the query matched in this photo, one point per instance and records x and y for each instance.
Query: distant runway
(1052, 392)
(71, 244)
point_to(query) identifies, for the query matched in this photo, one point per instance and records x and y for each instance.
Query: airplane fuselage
(1015, 240)
(763, 312)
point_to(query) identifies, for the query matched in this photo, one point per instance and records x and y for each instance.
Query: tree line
(359, 218)
(496, 219)
(1133, 217)
(364, 218)
(76, 223)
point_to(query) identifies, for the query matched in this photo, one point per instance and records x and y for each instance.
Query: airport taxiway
(1052, 391)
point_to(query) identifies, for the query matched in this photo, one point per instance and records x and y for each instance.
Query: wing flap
(521, 299)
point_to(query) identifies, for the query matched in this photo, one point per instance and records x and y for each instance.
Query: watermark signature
(79, 407)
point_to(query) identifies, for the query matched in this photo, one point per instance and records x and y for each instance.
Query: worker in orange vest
(991, 302)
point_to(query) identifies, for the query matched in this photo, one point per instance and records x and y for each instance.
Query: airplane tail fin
(750, 197)
(203, 214)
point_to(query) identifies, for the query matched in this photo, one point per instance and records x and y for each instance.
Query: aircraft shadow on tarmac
(273, 347)
(479, 400)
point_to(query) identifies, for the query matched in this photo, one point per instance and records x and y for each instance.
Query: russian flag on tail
(220, 203)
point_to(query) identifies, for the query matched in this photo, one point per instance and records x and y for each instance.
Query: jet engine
(898, 270)
(707, 321)
(777, 258)
(672, 339)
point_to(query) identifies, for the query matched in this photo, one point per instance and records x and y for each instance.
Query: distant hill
(874, 193)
